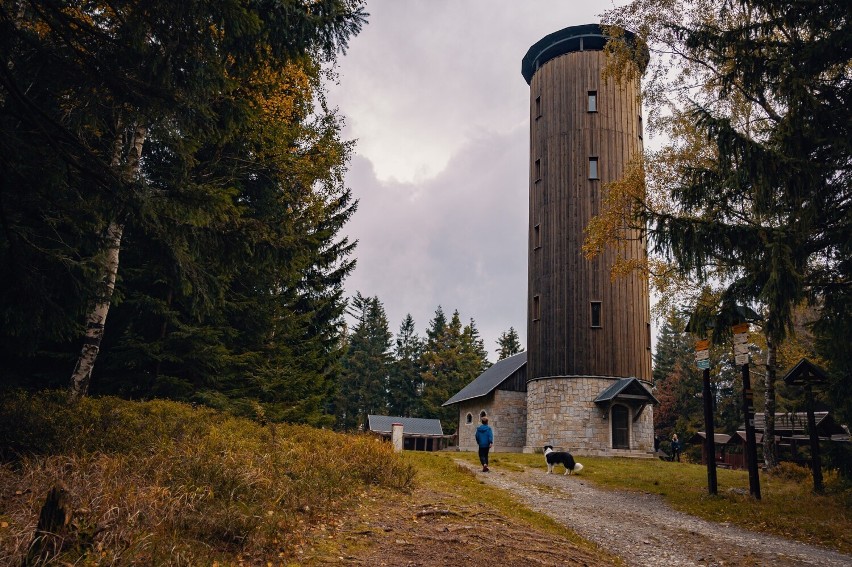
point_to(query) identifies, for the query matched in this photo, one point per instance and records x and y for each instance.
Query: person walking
(485, 440)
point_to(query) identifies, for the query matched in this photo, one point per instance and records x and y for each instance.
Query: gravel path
(643, 530)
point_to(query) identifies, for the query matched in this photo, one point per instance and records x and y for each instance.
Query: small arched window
(469, 418)
(482, 414)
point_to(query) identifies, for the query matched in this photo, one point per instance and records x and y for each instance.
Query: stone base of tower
(561, 411)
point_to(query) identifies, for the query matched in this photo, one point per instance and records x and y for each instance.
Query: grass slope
(158, 483)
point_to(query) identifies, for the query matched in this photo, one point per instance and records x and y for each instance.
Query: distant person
(675, 448)
(485, 440)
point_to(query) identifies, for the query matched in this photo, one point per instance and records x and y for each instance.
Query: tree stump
(52, 529)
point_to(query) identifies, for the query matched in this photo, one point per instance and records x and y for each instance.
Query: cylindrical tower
(585, 330)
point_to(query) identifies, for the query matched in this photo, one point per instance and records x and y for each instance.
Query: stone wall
(561, 412)
(507, 416)
(467, 431)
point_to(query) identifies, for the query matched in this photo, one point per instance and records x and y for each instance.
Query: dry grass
(163, 483)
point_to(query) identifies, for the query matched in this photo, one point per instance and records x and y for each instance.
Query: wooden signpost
(702, 360)
(742, 359)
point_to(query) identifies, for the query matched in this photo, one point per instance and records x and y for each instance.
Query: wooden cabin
(418, 434)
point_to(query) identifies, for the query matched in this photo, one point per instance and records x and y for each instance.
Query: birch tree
(96, 80)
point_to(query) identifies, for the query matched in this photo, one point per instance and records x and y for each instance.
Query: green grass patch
(788, 506)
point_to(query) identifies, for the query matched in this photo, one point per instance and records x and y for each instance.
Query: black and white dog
(560, 458)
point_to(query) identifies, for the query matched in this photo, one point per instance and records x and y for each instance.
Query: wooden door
(620, 427)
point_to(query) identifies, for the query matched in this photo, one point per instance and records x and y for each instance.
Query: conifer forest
(173, 210)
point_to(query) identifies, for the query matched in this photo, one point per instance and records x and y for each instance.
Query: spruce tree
(454, 356)
(755, 173)
(440, 361)
(509, 343)
(125, 100)
(474, 353)
(363, 388)
(406, 381)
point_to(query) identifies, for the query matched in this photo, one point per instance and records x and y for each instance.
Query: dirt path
(643, 530)
(428, 528)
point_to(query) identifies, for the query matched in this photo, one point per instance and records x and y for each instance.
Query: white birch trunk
(96, 319)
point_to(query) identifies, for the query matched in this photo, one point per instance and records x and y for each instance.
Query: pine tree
(406, 380)
(117, 92)
(509, 343)
(366, 366)
(474, 354)
(454, 356)
(673, 346)
(760, 142)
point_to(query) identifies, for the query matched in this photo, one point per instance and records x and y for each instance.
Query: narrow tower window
(593, 101)
(538, 107)
(536, 308)
(537, 169)
(648, 328)
(537, 236)
(593, 168)
(640, 126)
(596, 313)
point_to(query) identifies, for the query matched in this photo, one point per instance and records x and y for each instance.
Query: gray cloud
(433, 94)
(458, 239)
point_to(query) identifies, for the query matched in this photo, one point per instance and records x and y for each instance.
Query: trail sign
(741, 348)
(703, 364)
(740, 329)
(703, 344)
(741, 359)
(740, 338)
(702, 355)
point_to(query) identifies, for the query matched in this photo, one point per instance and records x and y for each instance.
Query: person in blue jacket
(485, 440)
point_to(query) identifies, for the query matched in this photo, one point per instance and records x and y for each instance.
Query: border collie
(560, 458)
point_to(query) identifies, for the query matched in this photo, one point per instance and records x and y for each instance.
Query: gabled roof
(718, 438)
(740, 437)
(805, 372)
(486, 382)
(410, 425)
(796, 423)
(626, 389)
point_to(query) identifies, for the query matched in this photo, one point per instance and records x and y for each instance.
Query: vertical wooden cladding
(564, 135)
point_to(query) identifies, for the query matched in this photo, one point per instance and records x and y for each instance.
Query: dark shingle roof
(625, 387)
(410, 425)
(490, 379)
(718, 438)
(797, 423)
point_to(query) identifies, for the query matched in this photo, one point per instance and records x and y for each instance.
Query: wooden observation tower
(589, 336)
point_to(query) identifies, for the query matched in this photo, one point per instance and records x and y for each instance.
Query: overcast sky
(433, 95)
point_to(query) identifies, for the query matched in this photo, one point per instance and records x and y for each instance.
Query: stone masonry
(507, 416)
(562, 413)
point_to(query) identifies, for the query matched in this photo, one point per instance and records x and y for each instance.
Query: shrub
(790, 471)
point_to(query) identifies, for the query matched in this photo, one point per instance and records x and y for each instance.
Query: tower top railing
(588, 37)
